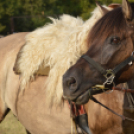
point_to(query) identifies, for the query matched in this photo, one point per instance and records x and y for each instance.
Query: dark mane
(111, 23)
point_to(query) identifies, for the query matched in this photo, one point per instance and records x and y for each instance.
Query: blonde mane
(58, 46)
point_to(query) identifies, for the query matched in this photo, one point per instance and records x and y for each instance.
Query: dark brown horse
(111, 42)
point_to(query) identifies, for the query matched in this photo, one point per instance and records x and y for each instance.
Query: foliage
(26, 15)
(10, 125)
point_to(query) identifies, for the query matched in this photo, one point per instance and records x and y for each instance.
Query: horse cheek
(107, 53)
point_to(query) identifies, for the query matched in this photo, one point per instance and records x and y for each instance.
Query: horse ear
(114, 5)
(127, 10)
(102, 9)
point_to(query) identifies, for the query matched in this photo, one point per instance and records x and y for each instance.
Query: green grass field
(11, 125)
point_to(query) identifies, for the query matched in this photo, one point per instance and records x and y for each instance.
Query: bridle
(109, 74)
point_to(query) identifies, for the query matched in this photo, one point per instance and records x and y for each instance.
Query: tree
(27, 15)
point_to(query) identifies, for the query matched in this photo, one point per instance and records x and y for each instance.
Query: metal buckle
(103, 88)
(109, 77)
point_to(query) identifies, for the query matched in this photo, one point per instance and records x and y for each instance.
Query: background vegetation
(10, 125)
(26, 15)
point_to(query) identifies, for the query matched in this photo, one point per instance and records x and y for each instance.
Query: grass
(10, 125)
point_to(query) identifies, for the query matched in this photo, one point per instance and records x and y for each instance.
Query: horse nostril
(71, 81)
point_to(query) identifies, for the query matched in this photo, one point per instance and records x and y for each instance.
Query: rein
(121, 116)
(100, 89)
(123, 89)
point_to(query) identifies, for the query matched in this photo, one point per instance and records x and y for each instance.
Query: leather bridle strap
(123, 64)
(121, 116)
(94, 64)
(102, 70)
(123, 90)
(109, 74)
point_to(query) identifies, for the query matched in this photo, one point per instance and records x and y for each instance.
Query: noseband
(110, 73)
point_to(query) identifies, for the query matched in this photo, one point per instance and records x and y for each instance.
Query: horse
(29, 66)
(107, 62)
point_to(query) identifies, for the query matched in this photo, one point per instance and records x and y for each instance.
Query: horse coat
(54, 48)
(29, 105)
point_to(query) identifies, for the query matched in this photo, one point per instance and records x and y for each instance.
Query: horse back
(9, 47)
(12, 41)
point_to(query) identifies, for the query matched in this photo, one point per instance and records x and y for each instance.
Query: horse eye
(115, 41)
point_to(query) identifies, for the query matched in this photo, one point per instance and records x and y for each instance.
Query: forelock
(111, 23)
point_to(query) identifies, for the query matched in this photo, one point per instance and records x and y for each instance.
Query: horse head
(111, 41)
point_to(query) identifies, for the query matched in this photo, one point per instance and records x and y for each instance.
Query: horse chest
(102, 121)
(128, 111)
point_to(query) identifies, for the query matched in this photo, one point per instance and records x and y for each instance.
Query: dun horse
(51, 50)
(109, 61)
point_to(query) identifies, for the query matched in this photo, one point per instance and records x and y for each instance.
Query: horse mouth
(83, 99)
(80, 99)
(85, 96)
